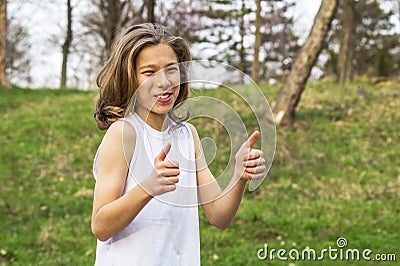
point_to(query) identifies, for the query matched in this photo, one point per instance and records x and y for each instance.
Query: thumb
(161, 156)
(253, 138)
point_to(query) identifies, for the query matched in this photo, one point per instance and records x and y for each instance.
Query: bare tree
(290, 93)
(18, 60)
(242, 51)
(150, 10)
(346, 41)
(3, 44)
(108, 17)
(257, 44)
(66, 46)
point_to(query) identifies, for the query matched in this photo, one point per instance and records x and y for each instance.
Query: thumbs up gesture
(164, 176)
(250, 163)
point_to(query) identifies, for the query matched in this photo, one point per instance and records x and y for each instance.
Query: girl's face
(158, 76)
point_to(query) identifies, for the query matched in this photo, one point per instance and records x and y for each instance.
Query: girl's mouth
(165, 97)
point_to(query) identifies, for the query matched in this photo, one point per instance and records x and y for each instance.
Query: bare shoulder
(119, 130)
(120, 137)
(194, 131)
(196, 140)
(114, 155)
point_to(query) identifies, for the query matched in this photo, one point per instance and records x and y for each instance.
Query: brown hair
(117, 80)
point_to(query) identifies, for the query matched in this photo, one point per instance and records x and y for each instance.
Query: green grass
(335, 174)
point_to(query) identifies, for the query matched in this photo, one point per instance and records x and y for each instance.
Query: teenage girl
(150, 170)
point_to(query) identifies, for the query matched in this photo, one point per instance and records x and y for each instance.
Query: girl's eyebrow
(156, 66)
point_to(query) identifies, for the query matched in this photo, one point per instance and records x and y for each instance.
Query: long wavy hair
(117, 80)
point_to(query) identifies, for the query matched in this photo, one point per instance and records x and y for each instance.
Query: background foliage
(336, 171)
(335, 174)
(219, 30)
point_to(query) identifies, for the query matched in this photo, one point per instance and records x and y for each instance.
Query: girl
(145, 208)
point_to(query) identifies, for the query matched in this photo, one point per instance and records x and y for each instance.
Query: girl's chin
(157, 108)
(161, 111)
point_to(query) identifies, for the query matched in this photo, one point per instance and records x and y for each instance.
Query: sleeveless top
(166, 230)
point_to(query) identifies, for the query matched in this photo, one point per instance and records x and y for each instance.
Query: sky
(45, 22)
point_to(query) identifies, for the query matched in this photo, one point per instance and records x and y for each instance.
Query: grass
(335, 174)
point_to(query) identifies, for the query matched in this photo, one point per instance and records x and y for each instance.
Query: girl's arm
(111, 211)
(220, 206)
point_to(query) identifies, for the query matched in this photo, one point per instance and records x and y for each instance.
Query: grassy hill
(336, 174)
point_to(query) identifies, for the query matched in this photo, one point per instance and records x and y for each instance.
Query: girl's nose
(161, 80)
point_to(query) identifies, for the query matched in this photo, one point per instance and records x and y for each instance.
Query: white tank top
(166, 230)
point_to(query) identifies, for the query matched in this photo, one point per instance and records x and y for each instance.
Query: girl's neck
(157, 121)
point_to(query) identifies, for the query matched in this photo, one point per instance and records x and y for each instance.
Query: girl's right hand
(250, 163)
(164, 176)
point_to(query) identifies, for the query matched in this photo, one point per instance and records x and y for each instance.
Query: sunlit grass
(336, 174)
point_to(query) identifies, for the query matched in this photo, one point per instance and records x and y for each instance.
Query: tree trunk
(66, 46)
(289, 94)
(346, 42)
(3, 42)
(107, 19)
(113, 21)
(242, 53)
(150, 11)
(256, 63)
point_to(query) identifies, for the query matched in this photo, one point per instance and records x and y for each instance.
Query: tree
(257, 43)
(279, 44)
(347, 44)
(108, 18)
(3, 44)
(150, 10)
(372, 32)
(290, 93)
(18, 60)
(217, 28)
(66, 46)
(242, 50)
(224, 31)
(384, 63)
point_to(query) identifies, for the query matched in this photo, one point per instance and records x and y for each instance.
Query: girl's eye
(172, 69)
(148, 72)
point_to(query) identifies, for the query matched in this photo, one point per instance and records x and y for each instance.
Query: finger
(161, 156)
(253, 138)
(169, 172)
(253, 176)
(168, 188)
(258, 176)
(166, 164)
(170, 164)
(254, 163)
(171, 180)
(255, 170)
(253, 155)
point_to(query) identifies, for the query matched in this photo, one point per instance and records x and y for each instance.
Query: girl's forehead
(156, 54)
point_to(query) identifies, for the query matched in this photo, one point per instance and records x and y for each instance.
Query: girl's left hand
(250, 163)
